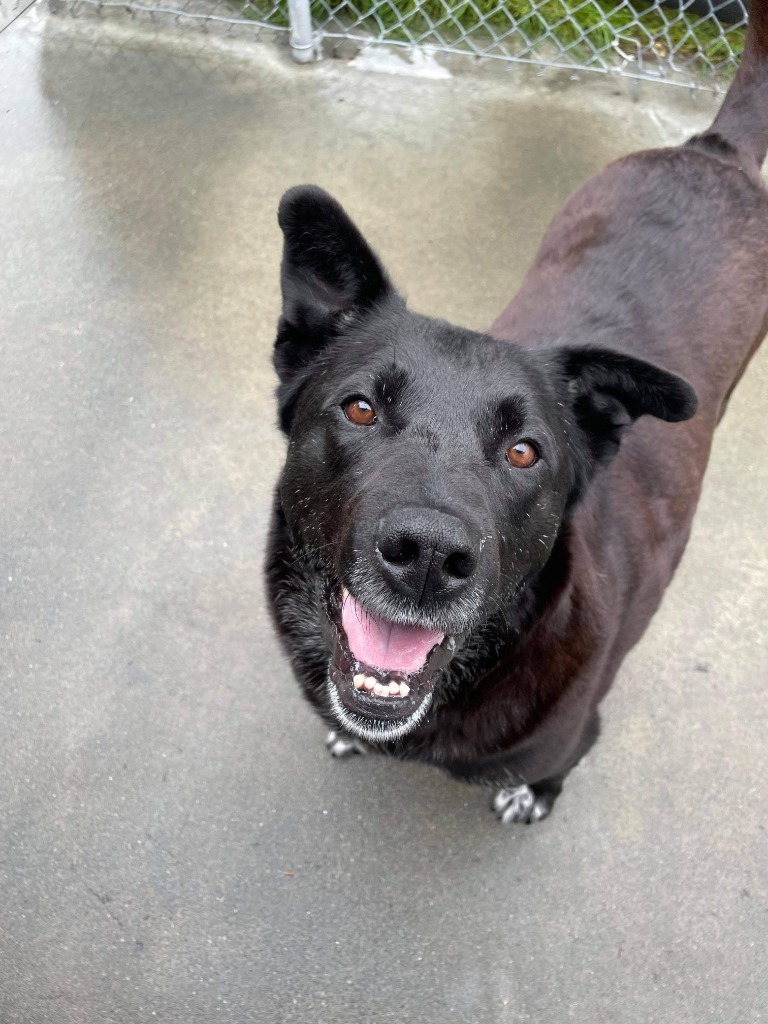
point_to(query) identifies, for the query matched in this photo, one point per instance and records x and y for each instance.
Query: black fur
(542, 576)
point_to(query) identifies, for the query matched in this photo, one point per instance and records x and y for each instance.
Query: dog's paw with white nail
(339, 744)
(520, 804)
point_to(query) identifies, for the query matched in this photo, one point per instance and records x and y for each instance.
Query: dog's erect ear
(329, 271)
(329, 275)
(610, 390)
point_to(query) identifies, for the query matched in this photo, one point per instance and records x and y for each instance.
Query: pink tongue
(384, 645)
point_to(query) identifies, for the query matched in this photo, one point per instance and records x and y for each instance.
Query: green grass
(580, 27)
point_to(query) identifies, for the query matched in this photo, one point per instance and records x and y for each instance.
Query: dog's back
(664, 254)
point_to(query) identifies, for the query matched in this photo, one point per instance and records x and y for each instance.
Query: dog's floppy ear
(329, 274)
(609, 390)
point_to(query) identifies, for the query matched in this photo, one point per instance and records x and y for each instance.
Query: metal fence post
(301, 40)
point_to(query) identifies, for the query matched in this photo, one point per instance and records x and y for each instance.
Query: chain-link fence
(684, 42)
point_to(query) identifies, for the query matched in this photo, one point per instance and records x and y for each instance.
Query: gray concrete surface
(175, 845)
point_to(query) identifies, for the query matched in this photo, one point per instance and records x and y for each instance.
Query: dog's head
(429, 468)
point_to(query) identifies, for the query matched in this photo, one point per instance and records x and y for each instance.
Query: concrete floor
(175, 843)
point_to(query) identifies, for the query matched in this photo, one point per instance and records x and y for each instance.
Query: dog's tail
(740, 129)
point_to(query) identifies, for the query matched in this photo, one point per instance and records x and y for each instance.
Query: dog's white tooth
(369, 683)
(344, 593)
(381, 691)
(394, 688)
(359, 681)
(404, 689)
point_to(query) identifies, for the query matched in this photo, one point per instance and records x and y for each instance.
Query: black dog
(471, 530)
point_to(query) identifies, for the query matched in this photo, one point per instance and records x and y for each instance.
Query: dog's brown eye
(358, 411)
(521, 455)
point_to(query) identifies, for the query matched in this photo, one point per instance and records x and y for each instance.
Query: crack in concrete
(104, 901)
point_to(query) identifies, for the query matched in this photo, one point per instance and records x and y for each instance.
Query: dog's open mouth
(382, 674)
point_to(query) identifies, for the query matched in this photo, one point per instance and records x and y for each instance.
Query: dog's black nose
(426, 555)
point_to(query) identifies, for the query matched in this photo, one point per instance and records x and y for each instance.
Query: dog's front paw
(339, 744)
(521, 804)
